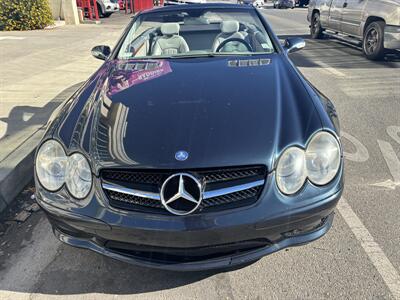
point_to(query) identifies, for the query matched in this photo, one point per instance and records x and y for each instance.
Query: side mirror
(101, 52)
(294, 44)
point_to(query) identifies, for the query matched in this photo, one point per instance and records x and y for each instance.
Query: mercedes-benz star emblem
(181, 155)
(181, 194)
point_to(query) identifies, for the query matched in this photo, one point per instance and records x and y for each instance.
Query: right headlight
(291, 171)
(322, 158)
(78, 176)
(320, 163)
(51, 162)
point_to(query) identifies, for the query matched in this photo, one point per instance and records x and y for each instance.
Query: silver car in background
(284, 4)
(372, 24)
(107, 7)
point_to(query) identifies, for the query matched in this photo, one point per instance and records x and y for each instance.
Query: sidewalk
(38, 71)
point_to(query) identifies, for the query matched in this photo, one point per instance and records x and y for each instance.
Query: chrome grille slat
(232, 189)
(132, 192)
(232, 197)
(135, 200)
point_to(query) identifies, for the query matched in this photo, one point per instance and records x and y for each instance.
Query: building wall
(57, 9)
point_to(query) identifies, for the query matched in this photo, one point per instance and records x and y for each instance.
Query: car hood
(223, 111)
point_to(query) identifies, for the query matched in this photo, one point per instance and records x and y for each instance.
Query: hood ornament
(181, 155)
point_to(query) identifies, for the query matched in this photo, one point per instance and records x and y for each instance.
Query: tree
(24, 14)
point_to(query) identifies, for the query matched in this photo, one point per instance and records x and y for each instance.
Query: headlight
(54, 168)
(322, 158)
(290, 171)
(320, 163)
(78, 176)
(51, 163)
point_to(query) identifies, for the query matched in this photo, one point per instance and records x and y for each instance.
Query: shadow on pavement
(337, 54)
(75, 271)
(93, 273)
(22, 117)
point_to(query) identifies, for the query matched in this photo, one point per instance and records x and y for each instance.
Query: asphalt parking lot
(358, 259)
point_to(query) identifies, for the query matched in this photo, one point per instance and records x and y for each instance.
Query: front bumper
(392, 37)
(228, 261)
(199, 241)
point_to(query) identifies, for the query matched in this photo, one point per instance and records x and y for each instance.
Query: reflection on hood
(136, 72)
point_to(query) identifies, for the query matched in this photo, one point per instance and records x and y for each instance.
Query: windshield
(196, 32)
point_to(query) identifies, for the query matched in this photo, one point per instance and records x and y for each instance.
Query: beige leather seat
(229, 30)
(170, 42)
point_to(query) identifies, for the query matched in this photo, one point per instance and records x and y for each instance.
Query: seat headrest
(170, 28)
(230, 26)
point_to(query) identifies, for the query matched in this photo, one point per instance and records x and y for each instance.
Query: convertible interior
(195, 36)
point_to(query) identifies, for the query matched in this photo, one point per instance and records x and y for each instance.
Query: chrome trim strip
(206, 195)
(232, 189)
(124, 190)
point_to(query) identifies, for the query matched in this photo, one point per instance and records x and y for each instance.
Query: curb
(16, 171)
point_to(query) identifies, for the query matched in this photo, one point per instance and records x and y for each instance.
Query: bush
(24, 14)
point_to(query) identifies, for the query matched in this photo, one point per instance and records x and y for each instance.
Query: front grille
(134, 200)
(209, 176)
(234, 174)
(134, 177)
(212, 179)
(232, 198)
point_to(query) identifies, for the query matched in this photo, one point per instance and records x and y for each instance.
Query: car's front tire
(316, 30)
(373, 46)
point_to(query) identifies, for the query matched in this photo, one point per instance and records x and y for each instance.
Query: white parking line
(361, 154)
(394, 133)
(391, 159)
(12, 38)
(383, 265)
(330, 69)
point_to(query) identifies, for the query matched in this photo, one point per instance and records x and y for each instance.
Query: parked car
(258, 3)
(301, 3)
(374, 25)
(196, 145)
(284, 4)
(107, 7)
(255, 3)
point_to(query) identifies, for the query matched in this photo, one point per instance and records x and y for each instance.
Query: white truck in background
(372, 24)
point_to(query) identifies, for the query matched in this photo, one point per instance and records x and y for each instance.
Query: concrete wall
(70, 12)
(65, 10)
(57, 9)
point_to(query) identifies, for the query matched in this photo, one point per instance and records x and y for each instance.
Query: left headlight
(319, 162)
(323, 158)
(78, 176)
(54, 168)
